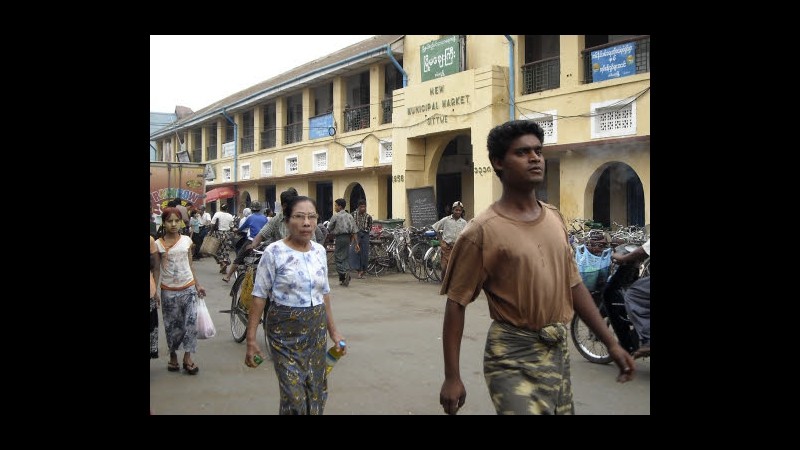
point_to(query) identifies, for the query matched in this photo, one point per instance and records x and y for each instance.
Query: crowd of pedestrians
(515, 251)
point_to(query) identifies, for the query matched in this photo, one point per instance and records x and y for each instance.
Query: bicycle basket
(247, 288)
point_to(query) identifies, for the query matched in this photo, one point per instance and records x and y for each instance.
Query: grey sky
(196, 71)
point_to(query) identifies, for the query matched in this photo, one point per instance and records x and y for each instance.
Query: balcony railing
(386, 108)
(247, 143)
(541, 75)
(268, 138)
(642, 55)
(356, 118)
(211, 152)
(293, 133)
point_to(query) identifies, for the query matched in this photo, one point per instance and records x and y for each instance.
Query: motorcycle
(610, 300)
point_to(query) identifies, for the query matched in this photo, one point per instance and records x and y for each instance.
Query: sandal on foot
(191, 370)
(223, 279)
(173, 367)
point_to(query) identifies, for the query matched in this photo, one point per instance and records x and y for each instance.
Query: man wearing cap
(251, 225)
(449, 228)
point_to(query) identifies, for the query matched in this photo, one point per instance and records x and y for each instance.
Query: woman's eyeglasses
(300, 216)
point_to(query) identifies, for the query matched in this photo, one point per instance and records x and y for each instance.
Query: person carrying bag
(210, 245)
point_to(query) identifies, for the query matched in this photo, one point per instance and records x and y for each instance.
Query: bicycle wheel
(434, 264)
(375, 263)
(238, 312)
(587, 343)
(416, 260)
(401, 257)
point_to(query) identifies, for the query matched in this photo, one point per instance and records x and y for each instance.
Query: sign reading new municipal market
(614, 62)
(440, 58)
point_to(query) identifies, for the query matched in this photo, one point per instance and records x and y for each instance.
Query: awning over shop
(220, 192)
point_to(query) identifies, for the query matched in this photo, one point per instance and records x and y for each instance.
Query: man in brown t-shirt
(517, 251)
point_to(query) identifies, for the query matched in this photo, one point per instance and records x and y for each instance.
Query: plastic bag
(593, 269)
(205, 326)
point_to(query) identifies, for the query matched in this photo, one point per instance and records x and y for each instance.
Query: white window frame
(382, 158)
(248, 172)
(314, 155)
(597, 109)
(226, 173)
(348, 161)
(268, 172)
(545, 116)
(286, 164)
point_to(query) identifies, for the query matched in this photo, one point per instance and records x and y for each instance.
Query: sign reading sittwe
(440, 58)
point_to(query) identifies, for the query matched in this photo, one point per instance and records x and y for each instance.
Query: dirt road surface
(393, 327)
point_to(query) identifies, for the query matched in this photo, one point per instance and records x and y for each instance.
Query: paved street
(393, 327)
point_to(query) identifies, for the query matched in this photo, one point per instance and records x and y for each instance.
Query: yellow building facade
(396, 115)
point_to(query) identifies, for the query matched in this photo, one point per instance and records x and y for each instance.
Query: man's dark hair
(500, 137)
(362, 201)
(287, 195)
(341, 202)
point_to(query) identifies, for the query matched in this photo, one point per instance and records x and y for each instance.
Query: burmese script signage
(321, 126)
(614, 62)
(422, 205)
(440, 58)
(228, 149)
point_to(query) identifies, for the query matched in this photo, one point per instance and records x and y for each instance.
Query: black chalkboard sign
(422, 204)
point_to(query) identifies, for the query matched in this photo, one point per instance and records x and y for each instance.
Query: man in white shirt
(223, 220)
(449, 228)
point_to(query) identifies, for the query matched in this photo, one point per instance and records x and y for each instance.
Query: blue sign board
(614, 62)
(320, 126)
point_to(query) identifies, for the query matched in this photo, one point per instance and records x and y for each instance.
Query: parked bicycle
(432, 261)
(241, 291)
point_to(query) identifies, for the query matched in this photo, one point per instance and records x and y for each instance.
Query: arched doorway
(355, 195)
(456, 160)
(325, 200)
(244, 202)
(618, 196)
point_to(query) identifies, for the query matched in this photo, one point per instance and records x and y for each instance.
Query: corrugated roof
(345, 54)
(160, 120)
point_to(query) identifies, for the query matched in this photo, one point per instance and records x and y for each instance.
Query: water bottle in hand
(333, 355)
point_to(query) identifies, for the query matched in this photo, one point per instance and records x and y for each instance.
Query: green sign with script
(440, 58)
